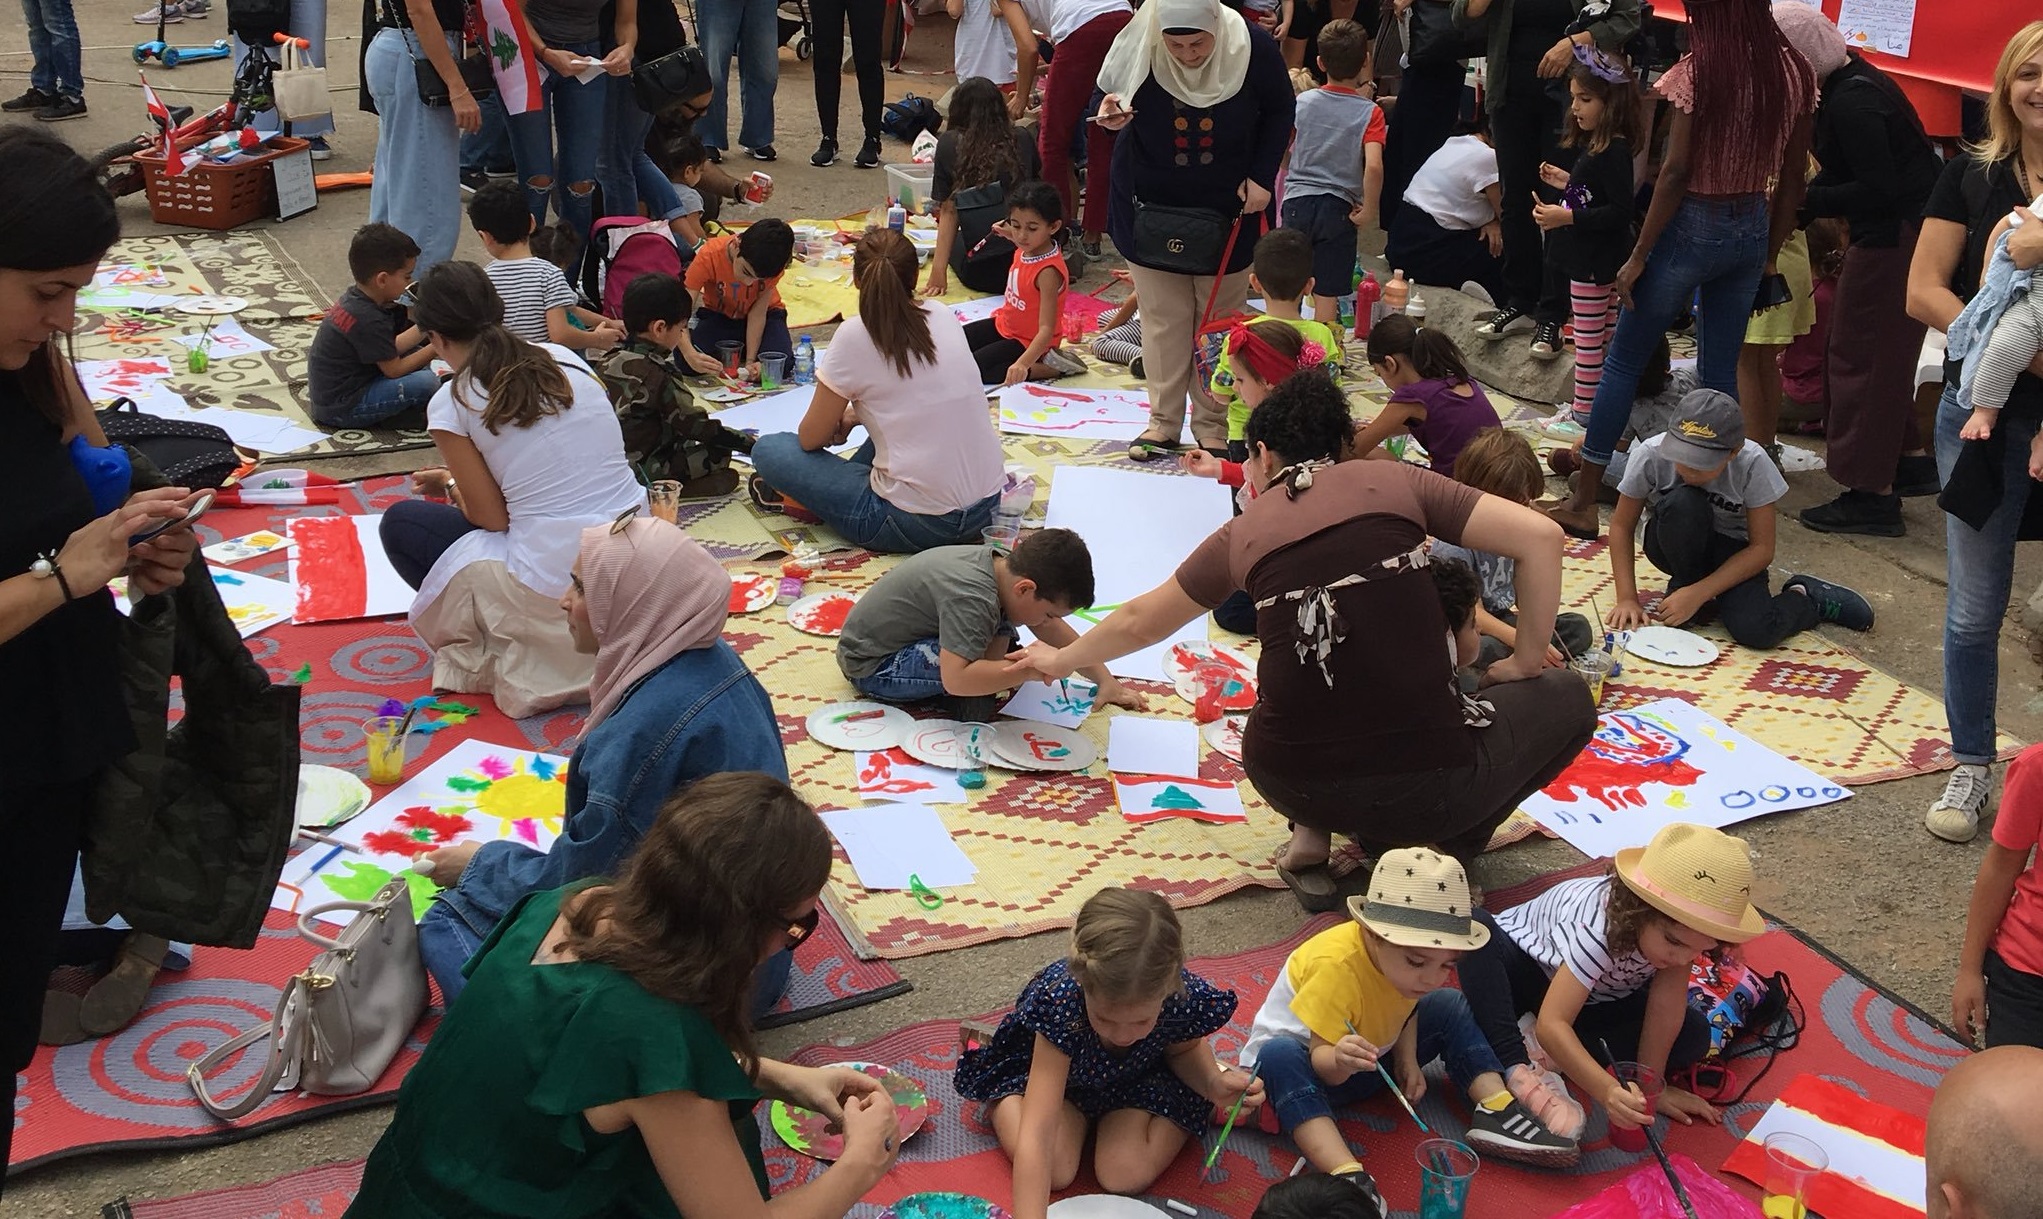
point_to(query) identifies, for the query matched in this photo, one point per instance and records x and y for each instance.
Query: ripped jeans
(556, 146)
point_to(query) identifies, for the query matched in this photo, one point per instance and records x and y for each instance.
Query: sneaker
(716, 155)
(765, 152)
(1858, 512)
(1372, 1198)
(826, 153)
(1564, 428)
(1916, 476)
(1506, 320)
(1834, 602)
(868, 153)
(61, 109)
(1135, 369)
(34, 99)
(1063, 363)
(764, 496)
(197, 10)
(321, 150)
(1512, 1133)
(171, 13)
(472, 180)
(1091, 246)
(1546, 341)
(1544, 1095)
(1955, 815)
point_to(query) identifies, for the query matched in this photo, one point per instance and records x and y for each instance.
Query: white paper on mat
(1034, 409)
(1065, 704)
(255, 603)
(1196, 799)
(156, 398)
(976, 310)
(226, 340)
(478, 792)
(385, 591)
(890, 843)
(1878, 1166)
(264, 433)
(247, 546)
(1886, 26)
(1142, 746)
(106, 379)
(1669, 761)
(892, 776)
(781, 412)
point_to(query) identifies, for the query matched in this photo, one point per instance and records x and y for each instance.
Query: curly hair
(985, 135)
(1305, 418)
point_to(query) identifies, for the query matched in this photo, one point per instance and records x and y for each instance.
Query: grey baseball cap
(1707, 427)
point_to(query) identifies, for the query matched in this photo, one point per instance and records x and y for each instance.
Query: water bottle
(1347, 312)
(805, 361)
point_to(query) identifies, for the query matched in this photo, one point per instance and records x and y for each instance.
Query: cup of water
(772, 370)
(1446, 1170)
(1001, 538)
(731, 354)
(1792, 1162)
(1595, 666)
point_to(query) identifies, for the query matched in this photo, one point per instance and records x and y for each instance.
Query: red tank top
(1021, 314)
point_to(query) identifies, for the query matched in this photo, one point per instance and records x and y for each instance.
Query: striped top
(529, 287)
(1565, 926)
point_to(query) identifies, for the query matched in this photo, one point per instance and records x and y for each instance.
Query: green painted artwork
(1175, 797)
(363, 881)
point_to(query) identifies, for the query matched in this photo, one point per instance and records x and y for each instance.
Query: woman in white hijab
(1203, 106)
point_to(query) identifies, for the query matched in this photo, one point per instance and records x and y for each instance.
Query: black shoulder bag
(1180, 240)
(473, 66)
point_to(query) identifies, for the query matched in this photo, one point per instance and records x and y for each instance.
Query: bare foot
(1579, 523)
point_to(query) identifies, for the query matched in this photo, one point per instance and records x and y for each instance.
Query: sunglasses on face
(802, 928)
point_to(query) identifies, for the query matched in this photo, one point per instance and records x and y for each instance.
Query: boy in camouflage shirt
(666, 434)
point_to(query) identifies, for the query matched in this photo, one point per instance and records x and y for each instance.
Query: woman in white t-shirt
(1446, 231)
(534, 455)
(930, 472)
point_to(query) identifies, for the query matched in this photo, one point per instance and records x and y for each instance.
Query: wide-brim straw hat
(1699, 877)
(1419, 899)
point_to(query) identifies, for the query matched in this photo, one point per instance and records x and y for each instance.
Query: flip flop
(1314, 887)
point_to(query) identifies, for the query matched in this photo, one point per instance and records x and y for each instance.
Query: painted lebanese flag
(339, 571)
(1876, 1152)
(504, 40)
(281, 487)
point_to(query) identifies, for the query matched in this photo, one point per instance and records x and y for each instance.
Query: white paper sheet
(108, 379)
(892, 776)
(324, 584)
(781, 412)
(1206, 800)
(155, 398)
(1033, 409)
(226, 340)
(1065, 705)
(1143, 746)
(255, 603)
(261, 432)
(1669, 761)
(1886, 26)
(976, 310)
(247, 546)
(890, 843)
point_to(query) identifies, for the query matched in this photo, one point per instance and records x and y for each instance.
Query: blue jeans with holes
(840, 491)
(387, 397)
(1715, 246)
(624, 171)
(54, 43)
(418, 153)
(1446, 1031)
(559, 141)
(751, 30)
(910, 675)
(1982, 573)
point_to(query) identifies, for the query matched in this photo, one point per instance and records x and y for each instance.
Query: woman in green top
(600, 1061)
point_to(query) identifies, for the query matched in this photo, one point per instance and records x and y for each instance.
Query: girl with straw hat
(1603, 961)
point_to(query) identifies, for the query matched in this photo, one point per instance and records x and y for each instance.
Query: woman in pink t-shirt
(930, 471)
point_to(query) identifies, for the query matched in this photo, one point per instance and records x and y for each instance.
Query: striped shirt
(1565, 926)
(529, 288)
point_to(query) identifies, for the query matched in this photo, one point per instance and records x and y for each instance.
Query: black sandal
(1142, 448)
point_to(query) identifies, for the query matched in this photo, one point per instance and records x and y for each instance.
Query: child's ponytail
(1126, 946)
(1432, 355)
(883, 268)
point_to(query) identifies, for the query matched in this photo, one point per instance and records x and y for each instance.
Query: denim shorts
(1324, 218)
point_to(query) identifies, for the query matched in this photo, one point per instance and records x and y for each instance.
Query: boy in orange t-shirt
(1999, 993)
(735, 282)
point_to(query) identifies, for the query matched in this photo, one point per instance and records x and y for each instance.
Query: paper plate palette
(942, 743)
(1195, 663)
(859, 725)
(822, 613)
(752, 593)
(1104, 1206)
(1027, 745)
(328, 796)
(212, 306)
(1668, 645)
(1224, 735)
(810, 1133)
(944, 1206)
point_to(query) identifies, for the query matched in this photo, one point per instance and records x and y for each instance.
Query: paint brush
(1213, 1156)
(1392, 1085)
(1875, 737)
(1666, 1166)
(332, 842)
(852, 716)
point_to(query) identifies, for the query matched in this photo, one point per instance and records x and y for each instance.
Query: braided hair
(1742, 68)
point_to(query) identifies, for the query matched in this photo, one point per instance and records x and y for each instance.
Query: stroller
(794, 23)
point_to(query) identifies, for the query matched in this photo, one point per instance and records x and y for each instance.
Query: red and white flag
(339, 570)
(281, 487)
(1875, 1151)
(503, 38)
(173, 160)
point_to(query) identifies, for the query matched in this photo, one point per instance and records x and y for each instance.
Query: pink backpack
(622, 248)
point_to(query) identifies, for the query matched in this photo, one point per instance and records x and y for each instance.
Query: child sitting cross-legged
(941, 623)
(735, 280)
(667, 434)
(367, 361)
(1374, 990)
(1432, 397)
(1019, 342)
(1109, 1042)
(539, 306)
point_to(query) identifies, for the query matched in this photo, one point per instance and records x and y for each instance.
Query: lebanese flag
(502, 37)
(339, 570)
(1876, 1152)
(288, 488)
(174, 163)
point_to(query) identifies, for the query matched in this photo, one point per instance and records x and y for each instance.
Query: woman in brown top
(1361, 728)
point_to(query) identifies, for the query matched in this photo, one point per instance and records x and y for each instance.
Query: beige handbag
(341, 1022)
(300, 87)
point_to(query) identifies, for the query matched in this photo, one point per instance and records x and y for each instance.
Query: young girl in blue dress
(1112, 1039)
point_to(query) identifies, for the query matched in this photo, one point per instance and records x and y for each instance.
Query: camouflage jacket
(666, 433)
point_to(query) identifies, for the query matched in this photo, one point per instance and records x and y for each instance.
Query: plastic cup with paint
(1648, 1082)
(386, 748)
(731, 354)
(1001, 538)
(1792, 1162)
(973, 774)
(1595, 666)
(772, 370)
(664, 498)
(1446, 1170)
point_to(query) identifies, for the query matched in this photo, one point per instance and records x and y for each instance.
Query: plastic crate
(211, 196)
(908, 185)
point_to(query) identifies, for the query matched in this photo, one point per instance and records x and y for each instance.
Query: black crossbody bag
(473, 65)
(1180, 240)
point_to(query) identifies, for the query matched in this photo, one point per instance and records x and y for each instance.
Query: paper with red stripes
(1876, 1164)
(339, 571)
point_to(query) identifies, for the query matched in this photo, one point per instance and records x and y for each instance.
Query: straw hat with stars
(1419, 899)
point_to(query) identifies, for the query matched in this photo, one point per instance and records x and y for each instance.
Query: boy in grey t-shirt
(942, 622)
(1713, 494)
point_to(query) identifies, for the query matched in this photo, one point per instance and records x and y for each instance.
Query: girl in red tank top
(1019, 342)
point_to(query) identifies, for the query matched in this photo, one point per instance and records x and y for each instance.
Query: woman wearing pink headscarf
(670, 703)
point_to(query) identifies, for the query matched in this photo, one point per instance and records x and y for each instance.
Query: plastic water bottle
(805, 361)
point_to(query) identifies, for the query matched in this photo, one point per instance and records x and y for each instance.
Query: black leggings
(43, 824)
(1503, 982)
(827, 18)
(995, 352)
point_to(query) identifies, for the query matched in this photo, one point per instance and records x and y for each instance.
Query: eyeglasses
(802, 928)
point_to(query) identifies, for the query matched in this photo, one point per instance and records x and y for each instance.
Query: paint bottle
(897, 217)
(1396, 293)
(1416, 309)
(1368, 304)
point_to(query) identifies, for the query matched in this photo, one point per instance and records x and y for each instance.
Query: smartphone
(203, 501)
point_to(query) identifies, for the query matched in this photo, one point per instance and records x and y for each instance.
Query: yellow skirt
(1783, 324)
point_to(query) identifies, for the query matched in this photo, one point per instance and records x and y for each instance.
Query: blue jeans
(751, 29)
(489, 147)
(624, 171)
(712, 328)
(386, 397)
(418, 153)
(840, 491)
(910, 675)
(53, 41)
(1717, 246)
(556, 145)
(1982, 572)
(1446, 1031)
(308, 21)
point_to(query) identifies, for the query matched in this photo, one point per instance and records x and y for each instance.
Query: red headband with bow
(1245, 347)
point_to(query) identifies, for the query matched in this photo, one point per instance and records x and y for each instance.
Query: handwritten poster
(1886, 26)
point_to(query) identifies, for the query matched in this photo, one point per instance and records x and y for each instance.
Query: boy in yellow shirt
(1376, 987)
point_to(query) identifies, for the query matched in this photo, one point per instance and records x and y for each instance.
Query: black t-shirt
(944, 172)
(659, 28)
(357, 335)
(1536, 25)
(60, 690)
(1978, 196)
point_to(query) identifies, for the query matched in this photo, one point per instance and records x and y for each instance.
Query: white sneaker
(171, 13)
(1955, 815)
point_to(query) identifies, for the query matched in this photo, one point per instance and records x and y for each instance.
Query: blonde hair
(1501, 463)
(2003, 130)
(1127, 945)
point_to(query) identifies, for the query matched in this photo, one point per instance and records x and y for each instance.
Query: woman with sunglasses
(605, 1063)
(670, 705)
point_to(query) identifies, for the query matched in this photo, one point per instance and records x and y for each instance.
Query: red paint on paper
(333, 577)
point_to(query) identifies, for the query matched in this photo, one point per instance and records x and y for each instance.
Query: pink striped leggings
(1595, 308)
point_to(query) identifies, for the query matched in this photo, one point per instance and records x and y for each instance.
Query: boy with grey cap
(1713, 494)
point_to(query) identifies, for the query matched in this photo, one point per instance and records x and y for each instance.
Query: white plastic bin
(908, 185)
